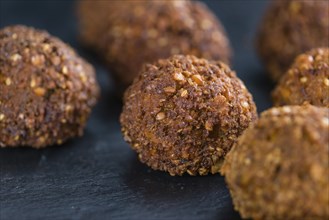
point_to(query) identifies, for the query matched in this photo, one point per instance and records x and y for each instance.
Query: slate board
(98, 176)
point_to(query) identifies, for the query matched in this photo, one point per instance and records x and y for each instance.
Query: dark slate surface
(98, 176)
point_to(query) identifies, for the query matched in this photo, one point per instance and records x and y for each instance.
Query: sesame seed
(169, 89)
(197, 79)
(202, 171)
(209, 126)
(179, 77)
(325, 122)
(247, 161)
(303, 79)
(275, 112)
(310, 58)
(37, 60)
(126, 138)
(83, 77)
(64, 70)
(290, 72)
(39, 91)
(46, 47)
(68, 108)
(8, 81)
(242, 85)
(15, 57)
(190, 81)
(245, 104)
(186, 73)
(326, 81)
(160, 116)
(32, 83)
(2, 116)
(286, 109)
(41, 139)
(184, 93)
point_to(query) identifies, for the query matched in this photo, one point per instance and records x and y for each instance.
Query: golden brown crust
(279, 167)
(46, 90)
(183, 114)
(132, 33)
(307, 80)
(289, 28)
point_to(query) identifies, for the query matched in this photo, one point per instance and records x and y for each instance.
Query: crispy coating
(307, 80)
(279, 167)
(46, 90)
(290, 28)
(128, 34)
(183, 114)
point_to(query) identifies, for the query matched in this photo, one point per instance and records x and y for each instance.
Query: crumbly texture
(46, 90)
(279, 167)
(307, 80)
(290, 28)
(183, 114)
(128, 34)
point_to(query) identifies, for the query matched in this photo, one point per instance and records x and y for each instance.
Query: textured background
(98, 176)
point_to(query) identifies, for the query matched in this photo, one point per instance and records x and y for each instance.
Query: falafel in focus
(46, 90)
(183, 114)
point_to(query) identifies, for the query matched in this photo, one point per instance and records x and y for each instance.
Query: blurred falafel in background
(127, 34)
(290, 28)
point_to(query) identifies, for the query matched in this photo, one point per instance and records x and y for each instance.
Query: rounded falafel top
(183, 114)
(46, 90)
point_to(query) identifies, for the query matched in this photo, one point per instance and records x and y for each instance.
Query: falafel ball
(183, 114)
(46, 90)
(279, 167)
(128, 34)
(307, 80)
(290, 28)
